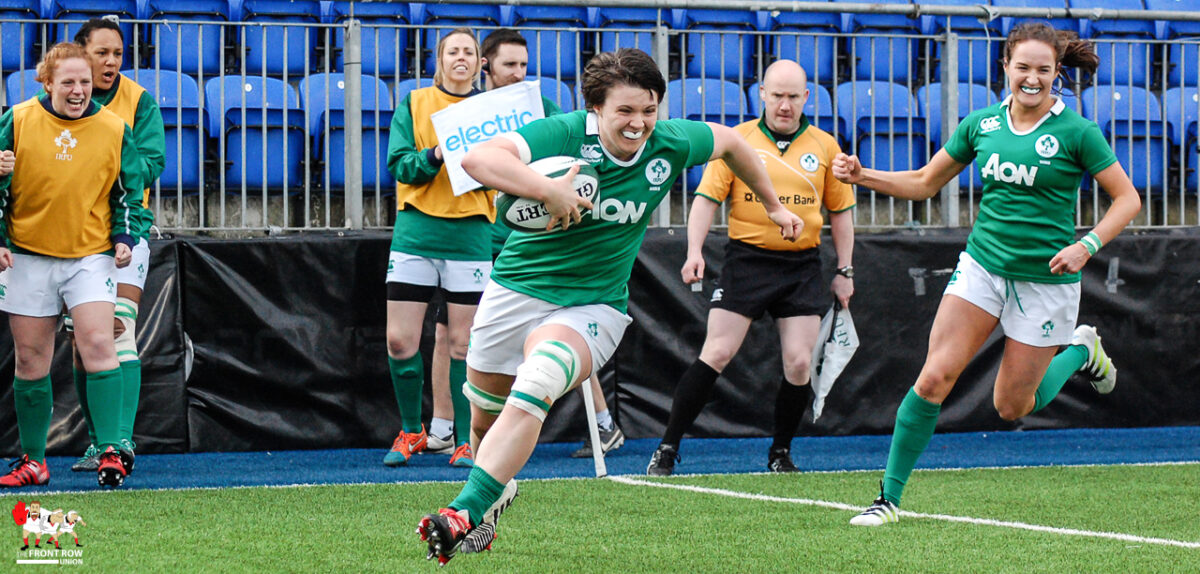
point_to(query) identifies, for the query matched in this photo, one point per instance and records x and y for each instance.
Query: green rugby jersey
(590, 262)
(1030, 184)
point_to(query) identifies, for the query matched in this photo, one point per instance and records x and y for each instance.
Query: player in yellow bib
(440, 241)
(104, 43)
(1021, 268)
(70, 184)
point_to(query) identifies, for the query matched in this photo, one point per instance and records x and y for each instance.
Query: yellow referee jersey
(802, 177)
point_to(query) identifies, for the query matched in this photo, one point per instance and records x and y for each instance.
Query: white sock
(441, 428)
(604, 420)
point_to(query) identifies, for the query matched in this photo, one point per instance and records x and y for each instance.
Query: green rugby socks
(462, 407)
(1060, 370)
(915, 421)
(479, 494)
(408, 379)
(104, 390)
(35, 404)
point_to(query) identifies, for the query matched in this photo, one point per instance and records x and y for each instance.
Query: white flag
(835, 347)
(468, 123)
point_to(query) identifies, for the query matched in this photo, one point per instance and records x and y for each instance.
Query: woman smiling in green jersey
(1021, 267)
(555, 308)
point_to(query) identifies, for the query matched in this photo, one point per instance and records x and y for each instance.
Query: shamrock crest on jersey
(1047, 146)
(65, 141)
(657, 171)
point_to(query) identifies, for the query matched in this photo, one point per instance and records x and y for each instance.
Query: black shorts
(784, 283)
(436, 296)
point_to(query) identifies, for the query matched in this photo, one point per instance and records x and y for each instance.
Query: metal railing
(298, 162)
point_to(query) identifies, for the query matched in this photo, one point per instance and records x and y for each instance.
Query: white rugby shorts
(1037, 314)
(453, 276)
(135, 273)
(505, 318)
(38, 286)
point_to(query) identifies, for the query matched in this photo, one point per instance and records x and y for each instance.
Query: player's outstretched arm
(743, 160)
(913, 184)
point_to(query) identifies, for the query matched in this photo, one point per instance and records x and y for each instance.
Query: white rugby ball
(525, 214)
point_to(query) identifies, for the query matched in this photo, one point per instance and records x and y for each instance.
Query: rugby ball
(525, 214)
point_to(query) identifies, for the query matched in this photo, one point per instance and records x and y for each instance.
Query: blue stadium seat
(880, 58)
(403, 87)
(178, 97)
(977, 57)
(1132, 120)
(1007, 23)
(269, 130)
(438, 19)
(799, 38)
(20, 86)
(72, 13)
(1174, 28)
(559, 93)
(1181, 110)
(890, 128)
(189, 48)
(971, 97)
(1089, 28)
(819, 107)
(1122, 61)
(707, 99)
(552, 52)
(621, 27)
(385, 45)
(716, 45)
(1183, 63)
(323, 95)
(17, 40)
(275, 49)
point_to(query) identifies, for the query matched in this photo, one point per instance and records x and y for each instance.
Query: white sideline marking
(942, 517)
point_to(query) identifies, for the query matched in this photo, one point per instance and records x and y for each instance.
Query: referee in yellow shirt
(763, 272)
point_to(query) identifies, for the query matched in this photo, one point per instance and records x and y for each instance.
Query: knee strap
(126, 343)
(488, 402)
(544, 377)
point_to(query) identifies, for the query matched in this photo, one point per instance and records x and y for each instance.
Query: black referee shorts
(783, 283)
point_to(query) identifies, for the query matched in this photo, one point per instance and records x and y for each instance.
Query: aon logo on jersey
(613, 209)
(1008, 172)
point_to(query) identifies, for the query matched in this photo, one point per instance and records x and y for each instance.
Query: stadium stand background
(259, 102)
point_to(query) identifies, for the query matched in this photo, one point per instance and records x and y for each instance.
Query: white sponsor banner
(477, 119)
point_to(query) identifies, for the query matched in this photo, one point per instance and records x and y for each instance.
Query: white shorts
(505, 319)
(38, 286)
(453, 276)
(1037, 314)
(32, 526)
(135, 273)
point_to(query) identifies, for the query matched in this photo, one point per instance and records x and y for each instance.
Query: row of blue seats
(886, 119)
(724, 47)
(332, 12)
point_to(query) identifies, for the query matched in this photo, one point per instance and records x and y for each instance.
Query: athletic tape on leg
(486, 401)
(126, 343)
(545, 376)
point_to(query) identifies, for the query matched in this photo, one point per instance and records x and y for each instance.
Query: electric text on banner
(480, 118)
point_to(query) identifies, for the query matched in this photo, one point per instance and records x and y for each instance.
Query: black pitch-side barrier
(278, 343)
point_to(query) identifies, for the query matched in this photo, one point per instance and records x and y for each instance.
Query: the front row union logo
(49, 535)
